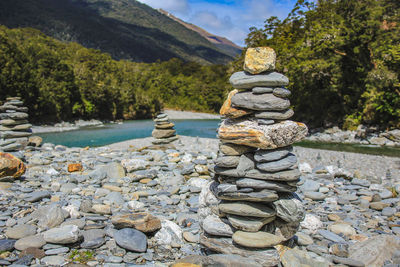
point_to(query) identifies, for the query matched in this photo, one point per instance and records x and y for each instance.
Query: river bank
(76, 212)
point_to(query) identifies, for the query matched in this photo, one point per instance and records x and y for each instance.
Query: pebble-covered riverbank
(60, 213)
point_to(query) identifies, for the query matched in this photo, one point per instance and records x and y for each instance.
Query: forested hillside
(64, 81)
(126, 29)
(342, 58)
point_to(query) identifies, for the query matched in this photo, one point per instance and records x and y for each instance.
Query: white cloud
(173, 6)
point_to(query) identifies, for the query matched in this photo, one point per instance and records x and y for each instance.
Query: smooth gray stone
(131, 239)
(250, 209)
(53, 260)
(214, 225)
(9, 122)
(57, 251)
(347, 261)
(309, 185)
(314, 195)
(275, 115)
(261, 102)
(7, 244)
(265, 122)
(20, 231)
(361, 182)
(164, 140)
(93, 238)
(278, 165)
(12, 134)
(287, 175)
(11, 147)
(331, 236)
(272, 155)
(66, 234)
(37, 196)
(23, 261)
(265, 257)
(262, 90)
(246, 163)
(260, 184)
(281, 92)
(14, 116)
(248, 224)
(227, 161)
(161, 116)
(260, 196)
(226, 188)
(244, 80)
(289, 208)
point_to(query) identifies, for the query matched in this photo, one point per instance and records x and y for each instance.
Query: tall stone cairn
(14, 126)
(250, 207)
(164, 132)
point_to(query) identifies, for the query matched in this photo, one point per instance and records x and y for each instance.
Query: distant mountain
(126, 29)
(223, 43)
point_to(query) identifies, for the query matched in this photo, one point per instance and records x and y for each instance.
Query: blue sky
(227, 18)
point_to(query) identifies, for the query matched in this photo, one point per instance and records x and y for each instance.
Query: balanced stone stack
(164, 132)
(250, 207)
(14, 126)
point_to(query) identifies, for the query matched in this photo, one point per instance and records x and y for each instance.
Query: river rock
(295, 257)
(247, 209)
(249, 133)
(7, 244)
(141, 221)
(227, 161)
(289, 208)
(278, 165)
(11, 166)
(275, 115)
(62, 235)
(256, 240)
(281, 92)
(164, 126)
(229, 111)
(234, 150)
(248, 224)
(262, 90)
(259, 59)
(35, 241)
(272, 155)
(159, 134)
(375, 251)
(216, 226)
(131, 239)
(287, 175)
(20, 231)
(263, 102)
(260, 184)
(243, 80)
(265, 257)
(264, 195)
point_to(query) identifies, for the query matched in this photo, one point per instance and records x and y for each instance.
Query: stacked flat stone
(164, 132)
(251, 206)
(14, 126)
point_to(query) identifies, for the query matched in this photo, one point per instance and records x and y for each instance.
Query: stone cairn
(164, 132)
(250, 207)
(14, 126)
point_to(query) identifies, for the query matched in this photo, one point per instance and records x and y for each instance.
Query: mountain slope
(126, 29)
(223, 43)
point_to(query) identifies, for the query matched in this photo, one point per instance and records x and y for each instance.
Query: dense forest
(63, 81)
(342, 58)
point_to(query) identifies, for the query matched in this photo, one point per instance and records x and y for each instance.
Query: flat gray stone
(275, 115)
(53, 261)
(37, 196)
(35, 241)
(264, 195)
(20, 231)
(261, 102)
(261, 184)
(287, 175)
(278, 165)
(314, 195)
(272, 155)
(247, 209)
(227, 161)
(7, 244)
(331, 236)
(249, 224)
(214, 225)
(67, 234)
(262, 90)
(244, 80)
(281, 92)
(131, 239)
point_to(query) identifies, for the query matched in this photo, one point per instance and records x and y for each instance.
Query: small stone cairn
(250, 207)
(164, 132)
(14, 126)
